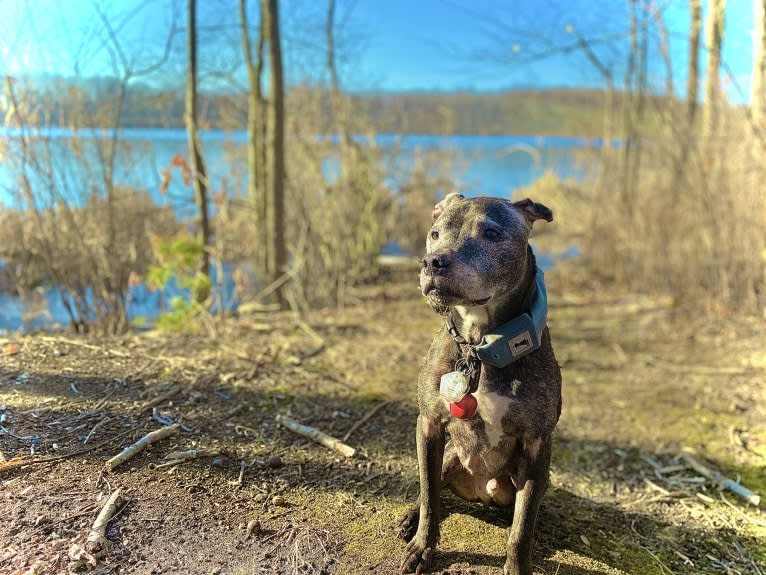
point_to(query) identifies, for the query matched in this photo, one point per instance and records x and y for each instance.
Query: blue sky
(393, 45)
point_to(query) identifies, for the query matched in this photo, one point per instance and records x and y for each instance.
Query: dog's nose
(436, 263)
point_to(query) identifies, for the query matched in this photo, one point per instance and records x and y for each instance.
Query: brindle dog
(480, 271)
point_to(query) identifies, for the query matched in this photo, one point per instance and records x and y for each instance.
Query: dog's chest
(486, 443)
(493, 407)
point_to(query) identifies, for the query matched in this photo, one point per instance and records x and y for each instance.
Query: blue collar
(513, 340)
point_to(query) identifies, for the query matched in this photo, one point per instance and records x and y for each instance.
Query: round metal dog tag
(453, 386)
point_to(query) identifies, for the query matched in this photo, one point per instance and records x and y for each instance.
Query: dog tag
(453, 386)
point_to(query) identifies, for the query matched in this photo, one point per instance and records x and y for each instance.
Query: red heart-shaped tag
(465, 408)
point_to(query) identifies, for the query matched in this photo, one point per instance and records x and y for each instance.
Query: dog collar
(512, 340)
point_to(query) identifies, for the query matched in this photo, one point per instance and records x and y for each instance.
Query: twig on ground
(102, 402)
(245, 430)
(367, 416)
(95, 427)
(235, 410)
(316, 435)
(741, 513)
(656, 487)
(241, 478)
(97, 536)
(192, 454)
(22, 461)
(722, 481)
(75, 342)
(160, 398)
(139, 445)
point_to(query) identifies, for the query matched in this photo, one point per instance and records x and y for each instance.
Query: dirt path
(640, 383)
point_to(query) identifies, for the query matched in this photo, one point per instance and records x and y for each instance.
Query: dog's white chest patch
(492, 408)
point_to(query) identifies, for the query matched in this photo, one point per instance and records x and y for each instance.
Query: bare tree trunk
(338, 104)
(277, 252)
(714, 27)
(256, 165)
(664, 51)
(199, 179)
(692, 79)
(628, 112)
(757, 94)
(641, 86)
(330, 38)
(687, 140)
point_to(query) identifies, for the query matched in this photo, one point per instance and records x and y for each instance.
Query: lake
(482, 165)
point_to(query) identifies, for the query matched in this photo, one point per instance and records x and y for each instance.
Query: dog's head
(476, 249)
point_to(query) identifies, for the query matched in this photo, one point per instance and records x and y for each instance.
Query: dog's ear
(533, 211)
(444, 204)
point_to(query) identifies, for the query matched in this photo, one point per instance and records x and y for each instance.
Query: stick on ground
(192, 454)
(160, 398)
(97, 536)
(722, 481)
(315, 434)
(139, 445)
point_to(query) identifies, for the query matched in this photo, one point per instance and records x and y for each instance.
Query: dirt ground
(643, 380)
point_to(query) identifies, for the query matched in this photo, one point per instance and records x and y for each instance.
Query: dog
(490, 379)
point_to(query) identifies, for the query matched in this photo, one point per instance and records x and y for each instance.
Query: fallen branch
(139, 445)
(160, 398)
(722, 481)
(367, 416)
(97, 536)
(192, 454)
(316, 435)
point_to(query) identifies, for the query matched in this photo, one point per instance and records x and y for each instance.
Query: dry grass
(676, 215)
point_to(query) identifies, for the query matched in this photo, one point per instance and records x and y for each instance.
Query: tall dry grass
(678, 214)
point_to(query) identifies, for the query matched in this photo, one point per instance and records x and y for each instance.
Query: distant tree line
(576, 112)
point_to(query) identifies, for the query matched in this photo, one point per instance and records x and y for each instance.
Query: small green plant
(178, 260)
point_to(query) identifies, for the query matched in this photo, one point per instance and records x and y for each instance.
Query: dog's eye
(491, 234)
(434, 235)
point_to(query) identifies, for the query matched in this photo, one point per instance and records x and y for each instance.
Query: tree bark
(330, 38)
(664, 51)
(692, 79)
(256, 128)
(276, 252)
(628, 107)
(714, 27)
(757, 95)
(199, 178)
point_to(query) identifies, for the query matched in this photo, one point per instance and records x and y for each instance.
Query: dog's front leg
(430, 442)
(532, 481)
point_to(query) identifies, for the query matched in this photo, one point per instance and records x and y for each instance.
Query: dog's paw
(417, 557)
(408, 523)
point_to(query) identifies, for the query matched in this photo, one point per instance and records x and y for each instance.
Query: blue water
(482, 165)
